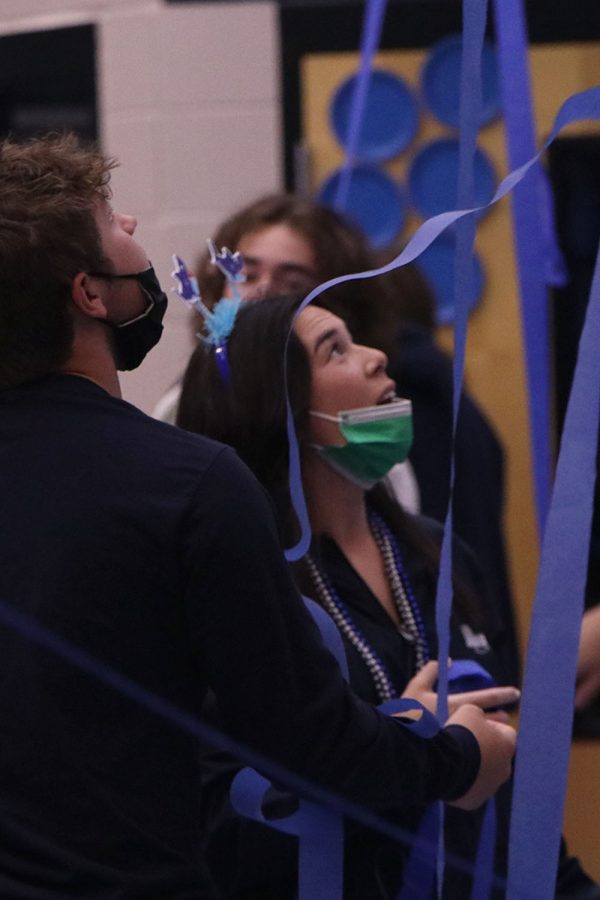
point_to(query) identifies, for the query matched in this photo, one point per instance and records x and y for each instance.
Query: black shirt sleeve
(278, 689)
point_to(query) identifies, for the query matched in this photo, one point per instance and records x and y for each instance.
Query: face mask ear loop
(147, 311)
(320, 415)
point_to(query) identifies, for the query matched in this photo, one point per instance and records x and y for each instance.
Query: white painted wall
(189, 102)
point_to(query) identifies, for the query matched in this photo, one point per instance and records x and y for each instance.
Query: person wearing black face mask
(133, 339)
(153, 555)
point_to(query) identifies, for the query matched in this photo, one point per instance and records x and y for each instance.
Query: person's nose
(128, 223)
(375, 361)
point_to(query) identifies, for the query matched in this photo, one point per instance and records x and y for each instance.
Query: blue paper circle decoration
(433, 177)
(437, 264)
(390, 119)
(374, 201)
(440, 81)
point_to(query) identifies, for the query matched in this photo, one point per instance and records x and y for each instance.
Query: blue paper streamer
(484, 863)
(320, 833)
(529, 231)
(426, 726)
(474, 20)
(555, 267)
(28, 628)
(474, 13)
(549, 683)
(320, 830)
(370, 38)
(418, 879)
(577, 108)
(581, 106)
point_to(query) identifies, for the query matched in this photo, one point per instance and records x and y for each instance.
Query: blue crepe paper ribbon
(474, 13)
(531, 220)
(474, 20)
(554, 641)
(530, 228)
(484, 861)
(549, 684)
(418, 878)
(319, 829)
(578, 107)
(539, 791)
(29, 629)
(555, 267)
(370, 39)
(320, 833)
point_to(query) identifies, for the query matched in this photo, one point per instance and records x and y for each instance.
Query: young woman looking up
(371, 566)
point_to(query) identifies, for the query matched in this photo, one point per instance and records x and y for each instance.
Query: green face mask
(377, 438)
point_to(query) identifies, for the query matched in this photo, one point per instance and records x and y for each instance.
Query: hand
(497, 743)
(421, 688)
(588, 666)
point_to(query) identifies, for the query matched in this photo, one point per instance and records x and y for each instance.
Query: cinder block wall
(189, 102)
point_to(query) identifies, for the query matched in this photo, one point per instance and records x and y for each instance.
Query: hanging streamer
(370, 39)
(575, 492)
(418, 878)
(582, 106)
(549, 683)
(577, 108)
(474, 21)
(532, 865)
(320, 830)
(33, 631)
(474, 16)
(529, 232)
(484, 863)
(320, 833)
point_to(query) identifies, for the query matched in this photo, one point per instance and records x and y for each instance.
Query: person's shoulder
(168, 443)
(202, 473)
(144, 444)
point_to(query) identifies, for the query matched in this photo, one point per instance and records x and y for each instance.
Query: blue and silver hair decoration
(218, 321)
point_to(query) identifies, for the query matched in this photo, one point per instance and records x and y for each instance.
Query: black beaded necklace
(411, 622)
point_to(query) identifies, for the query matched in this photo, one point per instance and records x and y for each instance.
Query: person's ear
(86, 295)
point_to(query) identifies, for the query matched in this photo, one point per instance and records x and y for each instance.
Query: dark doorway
(48, 82)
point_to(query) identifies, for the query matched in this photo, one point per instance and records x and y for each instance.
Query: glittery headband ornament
(218, 321)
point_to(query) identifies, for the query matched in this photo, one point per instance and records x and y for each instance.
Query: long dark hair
(248, 412)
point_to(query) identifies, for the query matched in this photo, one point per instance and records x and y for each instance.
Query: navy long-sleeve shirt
(154, 551)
